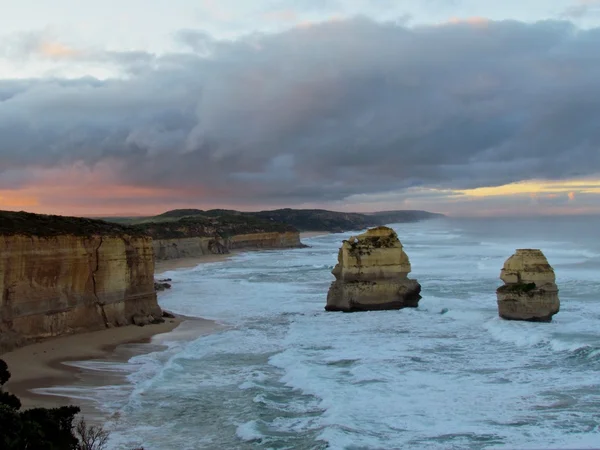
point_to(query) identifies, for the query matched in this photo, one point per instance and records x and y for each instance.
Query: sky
(465, 107)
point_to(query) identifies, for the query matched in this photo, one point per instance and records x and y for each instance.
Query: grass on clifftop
(300, 219)
(28, 224)
(221, 226)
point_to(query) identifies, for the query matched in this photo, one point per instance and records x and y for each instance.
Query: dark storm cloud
(326, 111)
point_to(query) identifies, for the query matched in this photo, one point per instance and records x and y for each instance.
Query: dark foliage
(299, 219)
(4, 372)
(42, 428)
(28, 224)
(38, 428)
(9, 400)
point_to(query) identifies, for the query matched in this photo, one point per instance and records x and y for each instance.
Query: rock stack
(371, 274)
(529, 291)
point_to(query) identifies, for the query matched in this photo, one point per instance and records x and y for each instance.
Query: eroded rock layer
(58, 284)
(198, 246)
(530, 292)
(372, 274)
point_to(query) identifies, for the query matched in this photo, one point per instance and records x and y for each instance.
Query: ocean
(284, 374)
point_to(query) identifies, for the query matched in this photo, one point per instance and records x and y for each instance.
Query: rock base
(523, 302)
(372, 296)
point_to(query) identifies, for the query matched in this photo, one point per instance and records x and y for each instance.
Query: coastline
(45, 364)
(41, 365)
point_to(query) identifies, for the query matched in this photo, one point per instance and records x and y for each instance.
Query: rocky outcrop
(53, 284)
(530, 292)
(165, 249)
(162, 285)
(372, 274)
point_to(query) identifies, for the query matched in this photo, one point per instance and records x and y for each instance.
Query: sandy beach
(42, 365)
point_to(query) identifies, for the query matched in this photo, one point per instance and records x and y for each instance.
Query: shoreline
(313, 234)
(46, 364)
(43, 364)
(168, 265)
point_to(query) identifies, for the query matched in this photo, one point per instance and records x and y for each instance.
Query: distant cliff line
(185, 233)
(299, 219)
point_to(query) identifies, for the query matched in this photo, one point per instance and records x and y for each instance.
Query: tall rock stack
(372, 274)
(529, 292)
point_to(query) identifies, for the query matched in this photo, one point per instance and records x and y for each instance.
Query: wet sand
(46, 364)
(40, 365)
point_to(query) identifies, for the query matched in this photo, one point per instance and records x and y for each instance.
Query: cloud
(582, 8)
(23, 46)
(56, 50)
(340, 108)
(474, 21)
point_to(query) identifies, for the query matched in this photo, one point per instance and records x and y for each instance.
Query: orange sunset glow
(95, 198)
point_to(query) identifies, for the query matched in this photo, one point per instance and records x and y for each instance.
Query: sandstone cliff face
(288, 239)
(530, 292)
(60, 284)
(187, 247)
(198, 246)
(372, 273)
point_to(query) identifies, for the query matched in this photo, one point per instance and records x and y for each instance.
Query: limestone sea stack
(372, 274)
(529, 292)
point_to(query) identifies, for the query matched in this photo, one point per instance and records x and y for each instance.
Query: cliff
(530, 292)
(372, 274)
(199, 235)
(61, 275)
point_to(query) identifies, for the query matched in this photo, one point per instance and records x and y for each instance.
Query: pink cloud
(57, 50)
(475, 21)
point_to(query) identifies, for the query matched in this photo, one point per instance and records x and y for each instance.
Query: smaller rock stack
(371, 274)
(529, 291)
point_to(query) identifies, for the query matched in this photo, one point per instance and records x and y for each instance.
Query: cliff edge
(61, 275)
(201, 235)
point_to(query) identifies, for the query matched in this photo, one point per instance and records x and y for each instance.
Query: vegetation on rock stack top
(222, 226)
(29, 224)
